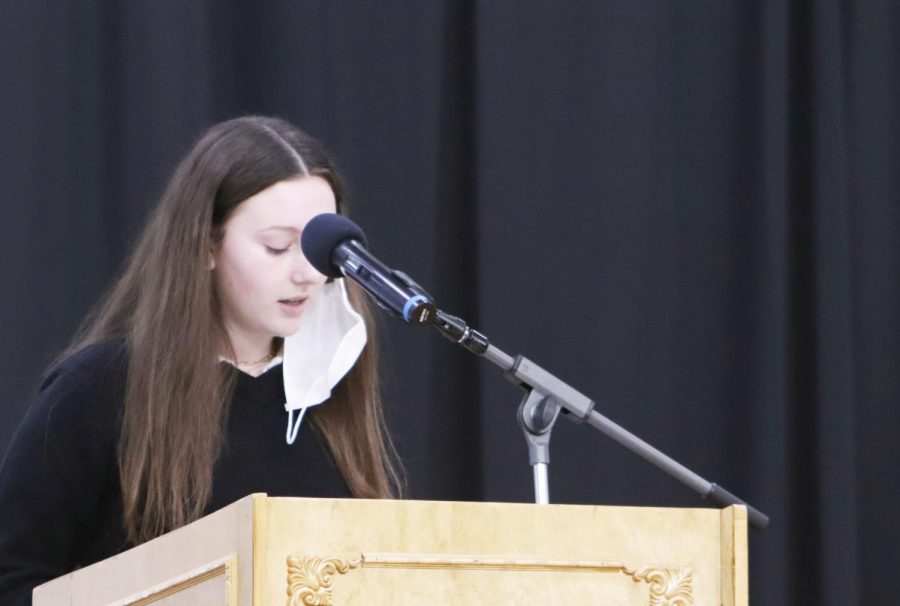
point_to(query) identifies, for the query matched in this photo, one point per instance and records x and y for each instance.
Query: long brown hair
(165, 309)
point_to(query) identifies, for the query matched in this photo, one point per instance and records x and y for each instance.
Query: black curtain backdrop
(688, 210)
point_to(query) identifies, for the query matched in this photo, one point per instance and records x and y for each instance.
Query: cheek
(240, 277)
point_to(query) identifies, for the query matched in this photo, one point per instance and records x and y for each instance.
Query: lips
(292, 307)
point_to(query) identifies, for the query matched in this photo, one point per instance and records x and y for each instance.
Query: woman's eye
(276, 251)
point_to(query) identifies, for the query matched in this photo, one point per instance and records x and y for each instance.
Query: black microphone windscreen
(320, 237)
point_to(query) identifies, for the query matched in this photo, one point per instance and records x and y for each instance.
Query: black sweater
(60, 496)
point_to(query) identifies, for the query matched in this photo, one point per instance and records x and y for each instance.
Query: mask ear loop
(293, 427)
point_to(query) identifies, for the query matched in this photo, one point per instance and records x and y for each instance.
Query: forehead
(288, 204)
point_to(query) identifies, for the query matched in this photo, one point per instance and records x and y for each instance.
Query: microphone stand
(546, 397)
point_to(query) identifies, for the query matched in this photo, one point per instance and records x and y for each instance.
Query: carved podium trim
(668, 586)
(310, 579)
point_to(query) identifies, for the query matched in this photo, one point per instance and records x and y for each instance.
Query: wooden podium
(289, 551)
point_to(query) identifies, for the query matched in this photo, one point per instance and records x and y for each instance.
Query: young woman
(171, 402)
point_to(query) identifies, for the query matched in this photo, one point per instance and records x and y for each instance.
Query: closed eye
(276, 251)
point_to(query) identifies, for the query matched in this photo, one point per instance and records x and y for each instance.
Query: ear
(211, 260)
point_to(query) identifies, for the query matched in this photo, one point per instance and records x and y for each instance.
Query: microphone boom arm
(537, 415)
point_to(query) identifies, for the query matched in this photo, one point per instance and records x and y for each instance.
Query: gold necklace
(262, 360)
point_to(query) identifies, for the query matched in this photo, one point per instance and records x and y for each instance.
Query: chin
(287, 329)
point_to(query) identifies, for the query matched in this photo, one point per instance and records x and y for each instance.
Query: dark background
(688, 210)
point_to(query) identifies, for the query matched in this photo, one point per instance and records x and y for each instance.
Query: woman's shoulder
(71, 424)
(89, 381)
(99, 362)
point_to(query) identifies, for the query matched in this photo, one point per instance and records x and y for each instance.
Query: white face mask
(316, 357)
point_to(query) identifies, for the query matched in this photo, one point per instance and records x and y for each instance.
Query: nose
(302, 270)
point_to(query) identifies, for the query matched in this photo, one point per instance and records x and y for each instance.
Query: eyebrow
(293, 230)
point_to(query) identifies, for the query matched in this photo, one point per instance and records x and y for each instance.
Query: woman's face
(263, 279)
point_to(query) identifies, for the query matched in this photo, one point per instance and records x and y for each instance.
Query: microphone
(336, 246)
